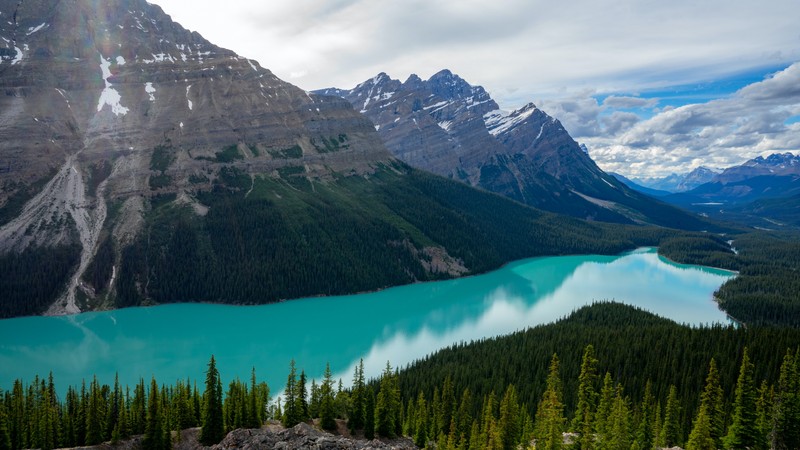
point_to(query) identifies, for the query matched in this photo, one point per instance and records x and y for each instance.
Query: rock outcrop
(301, 437)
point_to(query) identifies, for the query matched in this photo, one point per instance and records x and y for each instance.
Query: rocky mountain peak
(449, 127)
(780, 160)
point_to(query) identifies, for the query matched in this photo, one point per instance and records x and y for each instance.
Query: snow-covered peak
(499, 121)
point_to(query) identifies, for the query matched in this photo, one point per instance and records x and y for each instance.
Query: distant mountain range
(451, 128)
(673, 182)
(761, 192)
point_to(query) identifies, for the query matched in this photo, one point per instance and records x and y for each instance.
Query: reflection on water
(400, 324)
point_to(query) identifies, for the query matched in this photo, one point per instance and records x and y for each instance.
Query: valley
(172, 212)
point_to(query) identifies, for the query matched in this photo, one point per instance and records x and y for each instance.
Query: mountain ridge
(454, 129)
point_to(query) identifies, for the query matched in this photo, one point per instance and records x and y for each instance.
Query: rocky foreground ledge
(300, 437)
(303, 436)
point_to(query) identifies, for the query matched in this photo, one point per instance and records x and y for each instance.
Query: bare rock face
(303, 436)
(449, 127)
(112, 101)
(454, 129)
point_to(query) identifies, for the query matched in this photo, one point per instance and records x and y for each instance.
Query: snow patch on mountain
(499, 121)
(109, 96)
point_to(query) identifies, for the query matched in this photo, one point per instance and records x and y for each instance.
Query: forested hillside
(265, 239)
(767, 289)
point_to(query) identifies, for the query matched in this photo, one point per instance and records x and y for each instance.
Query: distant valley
(762, 192)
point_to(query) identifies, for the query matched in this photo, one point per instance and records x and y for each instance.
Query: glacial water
(398, 324)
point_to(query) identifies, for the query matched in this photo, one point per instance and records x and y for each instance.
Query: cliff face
(113, 102)
(97, 87)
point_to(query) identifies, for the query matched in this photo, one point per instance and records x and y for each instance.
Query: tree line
(766, 290)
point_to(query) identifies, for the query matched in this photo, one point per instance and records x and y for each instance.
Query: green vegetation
(162, 157)
(198, 179)
(22, 193)
(332, 144)
(228, 154)
(767, 290)
(33, 279)
(98, 273)
(291, 237)
(644, 353)
(159, 181)
(32, 416)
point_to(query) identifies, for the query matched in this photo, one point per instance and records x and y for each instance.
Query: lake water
(399, 324)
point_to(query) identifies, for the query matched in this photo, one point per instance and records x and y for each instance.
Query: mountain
(142, 164)
(776, 164)
(638, 187)
(776, 176)
(451, 128)
(695, 178)
(669, 183)
(679, 182)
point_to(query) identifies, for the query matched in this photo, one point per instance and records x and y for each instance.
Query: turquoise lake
(400, 324)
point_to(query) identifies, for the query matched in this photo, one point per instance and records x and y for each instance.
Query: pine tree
(587, 401)
(601, 423)
(291, 415)
(550, 421)
(647, 410)
(670, 430)
(213, 429)
(619, 436)
(421, 425)
(700, 438)
(707, 428)
(509, 425)
(742, 432)
(255, 407)
(764, 409)
(714, 397)
(342, 402)
(154, 436)
(657, 425)
(138, 408)
(387, 405)
(369, 415)
(786, 416)
(475, 441)
(464, 416)
(313, 404)
(5, 435)
(356, 421)
(301, 398)
(448, 400)
(327, 408)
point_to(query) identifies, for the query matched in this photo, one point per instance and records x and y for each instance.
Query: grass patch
(229, 154)
(162, 157)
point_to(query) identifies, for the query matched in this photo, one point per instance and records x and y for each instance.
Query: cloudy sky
(651, 86)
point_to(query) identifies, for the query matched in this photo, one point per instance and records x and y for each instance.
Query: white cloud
(718, 133)
(614, 101)
(518, 49)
